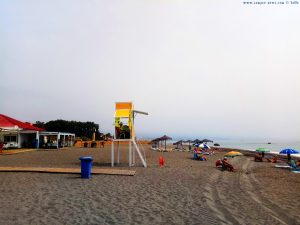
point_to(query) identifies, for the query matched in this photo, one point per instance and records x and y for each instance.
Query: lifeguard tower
(124, 132)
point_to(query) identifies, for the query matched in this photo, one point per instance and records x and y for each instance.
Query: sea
(252, 145)
(274, 147)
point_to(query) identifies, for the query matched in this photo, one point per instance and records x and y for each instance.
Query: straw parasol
(189, 141)
(197, 141)
(178, 143)
(165, 138)
(207, 140)
(156, 142)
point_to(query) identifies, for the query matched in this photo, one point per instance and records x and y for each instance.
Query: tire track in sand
(275, 211)
(214, 202)
(235, 198)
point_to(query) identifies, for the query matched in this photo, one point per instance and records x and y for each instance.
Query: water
(274, 147)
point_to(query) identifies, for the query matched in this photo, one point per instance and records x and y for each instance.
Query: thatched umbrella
(156, 142)
(178, 143)
(197, 141)
(189, 141)
(165, 138)
(207, 140)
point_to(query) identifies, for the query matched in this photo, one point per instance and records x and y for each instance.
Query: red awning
(7, 122)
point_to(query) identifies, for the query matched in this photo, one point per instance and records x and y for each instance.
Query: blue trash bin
(86, 166)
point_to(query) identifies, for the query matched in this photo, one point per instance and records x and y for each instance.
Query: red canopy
(7, 122)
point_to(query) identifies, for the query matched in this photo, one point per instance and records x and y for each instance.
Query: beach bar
(17, 134)
(56, 139)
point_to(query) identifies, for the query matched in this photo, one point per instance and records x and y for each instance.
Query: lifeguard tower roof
(123, 109)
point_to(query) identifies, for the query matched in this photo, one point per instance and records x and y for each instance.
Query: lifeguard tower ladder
(125, 113)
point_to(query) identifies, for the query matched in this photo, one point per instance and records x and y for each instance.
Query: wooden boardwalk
(16, 151)
(67, 170)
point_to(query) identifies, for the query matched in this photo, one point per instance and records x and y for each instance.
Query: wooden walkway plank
(68, 170)
(12, 152)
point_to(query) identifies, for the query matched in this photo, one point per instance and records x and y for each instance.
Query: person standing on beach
(117, 127)
(289, 157)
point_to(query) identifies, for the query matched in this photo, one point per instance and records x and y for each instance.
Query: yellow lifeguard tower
(124, 132)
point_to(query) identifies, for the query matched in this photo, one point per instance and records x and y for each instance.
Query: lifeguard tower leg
(112, 153)
(140, 154)
(118, 152)
(133, 157)
(130, 153)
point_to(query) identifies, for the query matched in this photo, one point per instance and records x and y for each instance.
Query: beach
(184, 191)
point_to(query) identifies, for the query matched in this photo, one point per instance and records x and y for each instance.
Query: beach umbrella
(165, 138)
(233, 154)
(196, 144)
(262, 150)
(289, 151)
(204, 146)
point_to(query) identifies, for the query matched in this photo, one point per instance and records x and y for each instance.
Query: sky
(201, 69)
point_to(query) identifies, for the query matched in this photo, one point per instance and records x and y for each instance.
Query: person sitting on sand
(226, 165)
(258, 158)
(203, 158)
(274, 159)
(219, 163)
(298, 163)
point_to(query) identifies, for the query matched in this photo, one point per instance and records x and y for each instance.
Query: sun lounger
(282, 166)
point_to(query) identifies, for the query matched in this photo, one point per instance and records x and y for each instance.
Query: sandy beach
(184, 191)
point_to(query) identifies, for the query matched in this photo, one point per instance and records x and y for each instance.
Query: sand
(185, 191)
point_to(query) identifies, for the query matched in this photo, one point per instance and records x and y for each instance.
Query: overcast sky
(200, 68)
